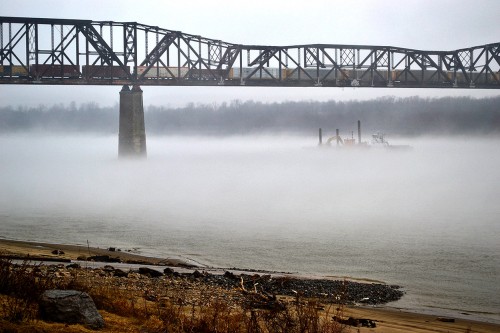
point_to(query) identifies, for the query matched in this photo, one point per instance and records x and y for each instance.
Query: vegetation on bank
(139, 303)
(412, 116)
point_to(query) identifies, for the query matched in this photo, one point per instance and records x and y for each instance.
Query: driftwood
(446, 319)
(260, 300)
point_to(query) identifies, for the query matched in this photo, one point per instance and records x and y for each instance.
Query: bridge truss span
(60, 51)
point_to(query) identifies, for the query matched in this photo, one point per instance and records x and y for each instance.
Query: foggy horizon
(396, 116)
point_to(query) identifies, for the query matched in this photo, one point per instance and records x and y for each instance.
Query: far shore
(389, 320)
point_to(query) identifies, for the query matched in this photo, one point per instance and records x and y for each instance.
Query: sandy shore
(388, 320)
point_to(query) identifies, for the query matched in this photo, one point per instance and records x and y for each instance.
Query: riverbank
(67, 252)
(237, 285)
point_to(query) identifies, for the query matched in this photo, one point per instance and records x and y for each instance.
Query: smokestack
(338, 137)
(320, 138)
(359, 132)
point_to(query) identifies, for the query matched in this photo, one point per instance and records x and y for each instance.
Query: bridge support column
(132, 132)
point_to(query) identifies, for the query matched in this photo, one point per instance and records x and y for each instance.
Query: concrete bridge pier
(132, 132)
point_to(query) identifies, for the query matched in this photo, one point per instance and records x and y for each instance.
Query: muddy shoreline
(270, 282)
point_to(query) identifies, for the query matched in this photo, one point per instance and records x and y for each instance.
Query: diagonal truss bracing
(59, 51)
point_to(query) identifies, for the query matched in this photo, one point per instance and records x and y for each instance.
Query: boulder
(150, 272)
(120, 273)
(71, 307)
(108, 268)
(196, 274)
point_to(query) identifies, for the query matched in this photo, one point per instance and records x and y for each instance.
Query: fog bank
(412, 116)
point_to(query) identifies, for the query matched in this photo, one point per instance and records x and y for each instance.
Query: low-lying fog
(267, 202)
(248, 186)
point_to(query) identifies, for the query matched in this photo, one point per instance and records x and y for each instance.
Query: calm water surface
(427, 219)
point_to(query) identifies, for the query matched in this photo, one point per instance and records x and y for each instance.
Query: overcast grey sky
(419, 24)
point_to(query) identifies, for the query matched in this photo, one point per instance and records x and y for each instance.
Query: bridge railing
(58, 51)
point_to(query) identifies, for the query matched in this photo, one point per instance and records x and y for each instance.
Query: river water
(426, 219)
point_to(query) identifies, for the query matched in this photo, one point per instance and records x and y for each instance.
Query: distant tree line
(87, 117)
(412, 116)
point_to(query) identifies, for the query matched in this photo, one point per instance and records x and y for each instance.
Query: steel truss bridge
(84, 52)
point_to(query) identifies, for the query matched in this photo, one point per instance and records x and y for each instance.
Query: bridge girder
(84, 52)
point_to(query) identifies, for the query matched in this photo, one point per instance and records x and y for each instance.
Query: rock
(108, 268)
(103, 259)
(230, 275)
(197, 274)
(71, 307)
(58, 252)
(74, 265)
(169, 271)
(112, 249)
(119, 273)
(151, 272)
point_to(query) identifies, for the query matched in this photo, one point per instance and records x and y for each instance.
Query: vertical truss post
(61, 55)
(356, 61)
(298, 62)
(373, 66)
(199, 55)
(111, 39)
(280, 67)
(130, 46)
(100, 34)
(77, 48)
(33, 37)
(87, 54)
(1, 43)
(487, 65)
(318, 83)
(178, 56)
(27, 45)
(390, 57)
(471, 69)
(10, 41)
(209, 54)
(147, 41)
(242, 82)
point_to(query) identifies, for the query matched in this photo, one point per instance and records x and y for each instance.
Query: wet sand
(388, 320)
